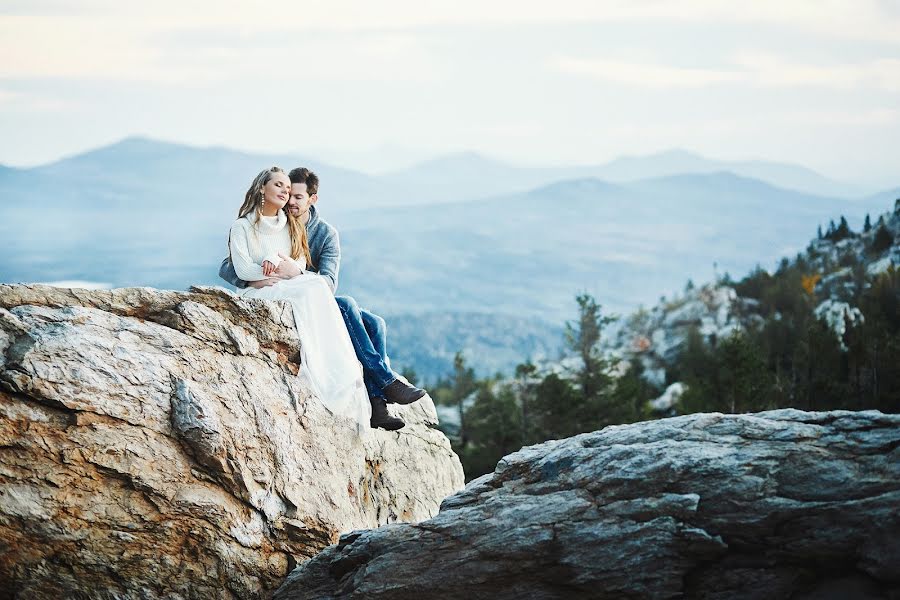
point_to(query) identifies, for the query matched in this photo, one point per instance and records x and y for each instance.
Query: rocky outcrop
(156, 444)
(657, 336)
(781, 504)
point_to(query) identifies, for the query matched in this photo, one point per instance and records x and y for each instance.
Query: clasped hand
(288, 268)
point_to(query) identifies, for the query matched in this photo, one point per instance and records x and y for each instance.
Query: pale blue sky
(375, 84)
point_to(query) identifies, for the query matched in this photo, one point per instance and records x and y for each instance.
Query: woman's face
(277, 191)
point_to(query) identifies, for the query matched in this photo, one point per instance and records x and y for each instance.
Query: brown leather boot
(400, 392)
(382, 418)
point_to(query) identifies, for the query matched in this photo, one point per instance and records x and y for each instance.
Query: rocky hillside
(157, 444)
(780, 504)
(839, 265)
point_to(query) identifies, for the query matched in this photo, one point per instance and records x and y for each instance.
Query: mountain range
(461, 235)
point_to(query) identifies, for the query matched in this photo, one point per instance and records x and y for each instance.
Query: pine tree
(744, 376)
(883, 240)
(842, 232)
(867, 226)
(583, 337)
(493, 429)
(463, 384)
(524, 374)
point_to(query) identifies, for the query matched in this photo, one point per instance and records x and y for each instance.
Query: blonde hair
(253, 202)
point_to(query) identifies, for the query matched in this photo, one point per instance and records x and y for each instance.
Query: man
(367, 330)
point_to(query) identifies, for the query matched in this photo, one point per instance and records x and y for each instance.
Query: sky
(378, 85)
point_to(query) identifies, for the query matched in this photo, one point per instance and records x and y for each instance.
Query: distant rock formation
(656, 336)
(780, 504)
(157, 444)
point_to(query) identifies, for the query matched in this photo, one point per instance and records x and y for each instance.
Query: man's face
(300, 200)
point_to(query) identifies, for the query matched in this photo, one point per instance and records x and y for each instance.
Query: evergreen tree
(867, 226)
(463, 384)
(559, 410)
(525, 373)
(744, 378)
(882, 241)
(841, 232)
(494, 429)
(583, 337)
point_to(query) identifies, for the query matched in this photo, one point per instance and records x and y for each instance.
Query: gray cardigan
(324, 248)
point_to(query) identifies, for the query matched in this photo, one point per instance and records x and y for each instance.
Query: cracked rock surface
(780, 504)
(157, 444)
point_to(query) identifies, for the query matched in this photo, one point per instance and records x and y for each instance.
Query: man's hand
(288, 268)
(263, 282)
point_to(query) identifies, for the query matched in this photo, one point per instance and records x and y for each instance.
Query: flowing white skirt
(328, 361)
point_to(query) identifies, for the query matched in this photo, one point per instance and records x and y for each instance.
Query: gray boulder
(780, 504)
(157, 444)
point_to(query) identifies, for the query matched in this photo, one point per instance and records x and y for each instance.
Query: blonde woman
(266, 238)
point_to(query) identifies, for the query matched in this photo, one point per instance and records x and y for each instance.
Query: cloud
(869, 20)
(771, 70)
(746, 68)
(102, 48)
(643, 75)
(28, 102)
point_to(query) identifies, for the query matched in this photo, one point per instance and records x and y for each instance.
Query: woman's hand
(268, 268)
(263, 283)
(288, 268)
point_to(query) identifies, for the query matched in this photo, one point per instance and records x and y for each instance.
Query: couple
(281, 249)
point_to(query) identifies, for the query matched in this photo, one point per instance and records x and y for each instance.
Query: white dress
(328, 361)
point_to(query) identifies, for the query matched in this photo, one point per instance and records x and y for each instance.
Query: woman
(263, 237)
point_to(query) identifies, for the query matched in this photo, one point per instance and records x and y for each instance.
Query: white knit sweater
(251, 243)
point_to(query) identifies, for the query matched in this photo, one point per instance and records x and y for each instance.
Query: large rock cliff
(157, 444)
(781, 504)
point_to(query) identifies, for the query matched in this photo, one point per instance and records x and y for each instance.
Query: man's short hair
(304, 175)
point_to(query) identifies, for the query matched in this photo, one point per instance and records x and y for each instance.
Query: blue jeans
(368, 333)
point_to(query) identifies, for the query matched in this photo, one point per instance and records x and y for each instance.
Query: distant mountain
(143, 212)
(150, 213)
(443, 179)
(528, 254)
(196, 179)
(676, 162)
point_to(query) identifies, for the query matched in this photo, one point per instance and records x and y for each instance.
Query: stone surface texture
(780, 504)
(157, 444)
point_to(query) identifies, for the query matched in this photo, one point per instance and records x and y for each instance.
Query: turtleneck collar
(268, 225)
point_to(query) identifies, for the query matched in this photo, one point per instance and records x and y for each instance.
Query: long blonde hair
(253, 202)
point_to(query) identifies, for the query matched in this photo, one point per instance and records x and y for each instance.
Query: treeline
(498, 416)
(785, 357)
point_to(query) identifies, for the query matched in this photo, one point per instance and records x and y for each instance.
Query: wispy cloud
(769, 69)
(39, 47)
(849, 19)
(644, 75)
(747, 68)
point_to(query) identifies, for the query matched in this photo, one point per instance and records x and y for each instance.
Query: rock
(157, 444)
(669, 398)
(879, 266)
(836, 314)
(780, 504)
